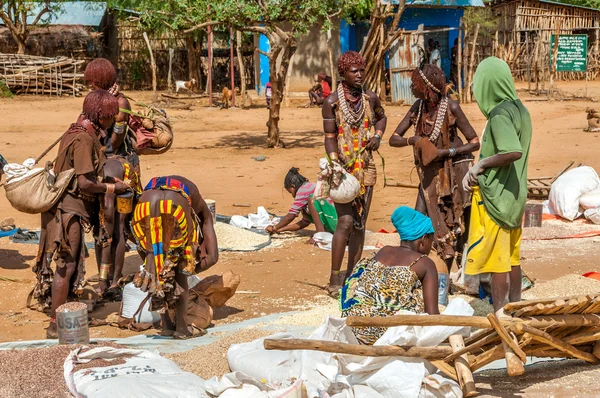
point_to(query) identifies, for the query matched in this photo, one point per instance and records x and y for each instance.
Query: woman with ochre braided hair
(354, 123)
(442, 159)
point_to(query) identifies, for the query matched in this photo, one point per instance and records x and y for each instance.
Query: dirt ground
(216, 149)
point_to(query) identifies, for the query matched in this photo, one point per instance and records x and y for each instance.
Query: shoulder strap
(417, 260)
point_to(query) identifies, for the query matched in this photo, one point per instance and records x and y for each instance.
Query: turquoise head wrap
(410, 224)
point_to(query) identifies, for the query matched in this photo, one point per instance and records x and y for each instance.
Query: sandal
(166, 333)
(333, 291)
(113, 294)
(196, 332)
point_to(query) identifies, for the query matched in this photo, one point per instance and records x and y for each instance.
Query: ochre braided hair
(349, 59)
(101, 73)
(436, 77)
(100, 104)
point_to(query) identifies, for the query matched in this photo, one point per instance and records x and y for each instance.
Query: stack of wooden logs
(27, 74)
(567, 327)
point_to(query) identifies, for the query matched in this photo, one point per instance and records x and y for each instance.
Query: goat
(593, 119)
(226, 97)
(185, 85)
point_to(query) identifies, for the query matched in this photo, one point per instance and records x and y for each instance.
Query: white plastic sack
(145, 375)
(240, 222)
(568, 189)
(346, 189)
(260, 220)
(590, 200)
(16, 172)
(593, 215)
(132, 298)
(323, 240)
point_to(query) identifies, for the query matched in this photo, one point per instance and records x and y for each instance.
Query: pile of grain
(567, 285)
(38, 372)
(379, 240)
(481, 307)
(211, 359)
(558, 228)
(312, 317)
(238, 239)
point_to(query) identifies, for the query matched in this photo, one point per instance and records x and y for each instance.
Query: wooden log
(478, 335)
(438, 352)
(461, 364)
(401, 185)
(517, 305)
(583, 337)
(445, 368)
(596, 350)
(515, 357)
(487, 357)
(480, 322)
(546, 338)
(489, 339)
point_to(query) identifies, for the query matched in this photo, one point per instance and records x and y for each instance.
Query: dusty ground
(215, 148)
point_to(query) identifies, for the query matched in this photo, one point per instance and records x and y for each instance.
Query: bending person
(176, 238)
(396, 278)
(320, 212)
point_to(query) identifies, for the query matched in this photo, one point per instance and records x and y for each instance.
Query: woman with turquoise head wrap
(397, 278)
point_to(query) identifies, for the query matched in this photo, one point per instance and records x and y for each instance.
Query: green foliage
(4, 90)
(488, 22)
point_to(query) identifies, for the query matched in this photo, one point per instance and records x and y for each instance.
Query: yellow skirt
(491, 248)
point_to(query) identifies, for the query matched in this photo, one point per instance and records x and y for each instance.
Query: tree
(15, 14)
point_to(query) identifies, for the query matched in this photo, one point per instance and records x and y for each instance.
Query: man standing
(354, 123)
(436, 55)
(500, 181)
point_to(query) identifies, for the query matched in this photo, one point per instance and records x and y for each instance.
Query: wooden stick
(521, 304)
(596, 350)
(546, 338)
(445, 368)
(480, 322)
(361, 350)
(152, 66)
(582, 338)
(461, 364)
(487, 357)
(472, 347)
(401, 185)
(478, 335)
(515, 357)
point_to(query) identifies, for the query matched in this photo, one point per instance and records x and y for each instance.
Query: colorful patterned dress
(375, 289)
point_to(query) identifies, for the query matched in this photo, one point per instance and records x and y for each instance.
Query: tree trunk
(331, 64)
(278, 77)
(20, 46)
(240, 57)
(193, 53)
(153, 67)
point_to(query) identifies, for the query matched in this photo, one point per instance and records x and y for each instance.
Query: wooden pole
(152, 66)
(231, 66)
(479, 322)
(461, 364)
(240, 57)
(360, 350)
(460, 60)
(546, 338)
(515, 357)
(472, 62)
(554, 60)
(209, 72)
(169, 74)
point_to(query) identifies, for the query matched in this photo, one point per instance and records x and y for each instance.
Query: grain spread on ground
(568, 285)
(238, 239)
(211, 360)
(38, 372)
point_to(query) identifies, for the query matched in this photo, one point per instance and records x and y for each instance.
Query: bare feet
(52, 331)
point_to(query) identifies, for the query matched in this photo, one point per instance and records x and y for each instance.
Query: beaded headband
(428, 83)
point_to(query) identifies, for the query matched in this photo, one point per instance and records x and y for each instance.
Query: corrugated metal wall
(404, 57)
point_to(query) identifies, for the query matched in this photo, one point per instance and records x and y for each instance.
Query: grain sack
(38, 191)
(590, 200)
(568, 189)
(152, 131)
(217, 289)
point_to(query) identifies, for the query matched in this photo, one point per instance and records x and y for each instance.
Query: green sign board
(572, 53)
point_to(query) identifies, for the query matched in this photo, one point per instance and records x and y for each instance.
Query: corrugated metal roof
(86, 13)
(439, 3)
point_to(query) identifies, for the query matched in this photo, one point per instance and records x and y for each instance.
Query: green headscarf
(493, 84)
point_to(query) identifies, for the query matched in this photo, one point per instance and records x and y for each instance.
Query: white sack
(132, 298)
(593, 215)
(145, 375)
(16, 172)
(568, 189)
(590, 200)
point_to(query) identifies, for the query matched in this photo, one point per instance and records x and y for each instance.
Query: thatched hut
(524, 31)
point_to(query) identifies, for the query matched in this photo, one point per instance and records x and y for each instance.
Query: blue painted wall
(411, 19)
(263, 45)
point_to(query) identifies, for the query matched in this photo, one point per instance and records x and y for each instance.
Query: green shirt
(504, 189)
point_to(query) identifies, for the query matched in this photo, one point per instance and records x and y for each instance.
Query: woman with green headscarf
(499, 180)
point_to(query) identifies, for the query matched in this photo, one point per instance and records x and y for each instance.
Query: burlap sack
(38, 192)
(217, 289)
